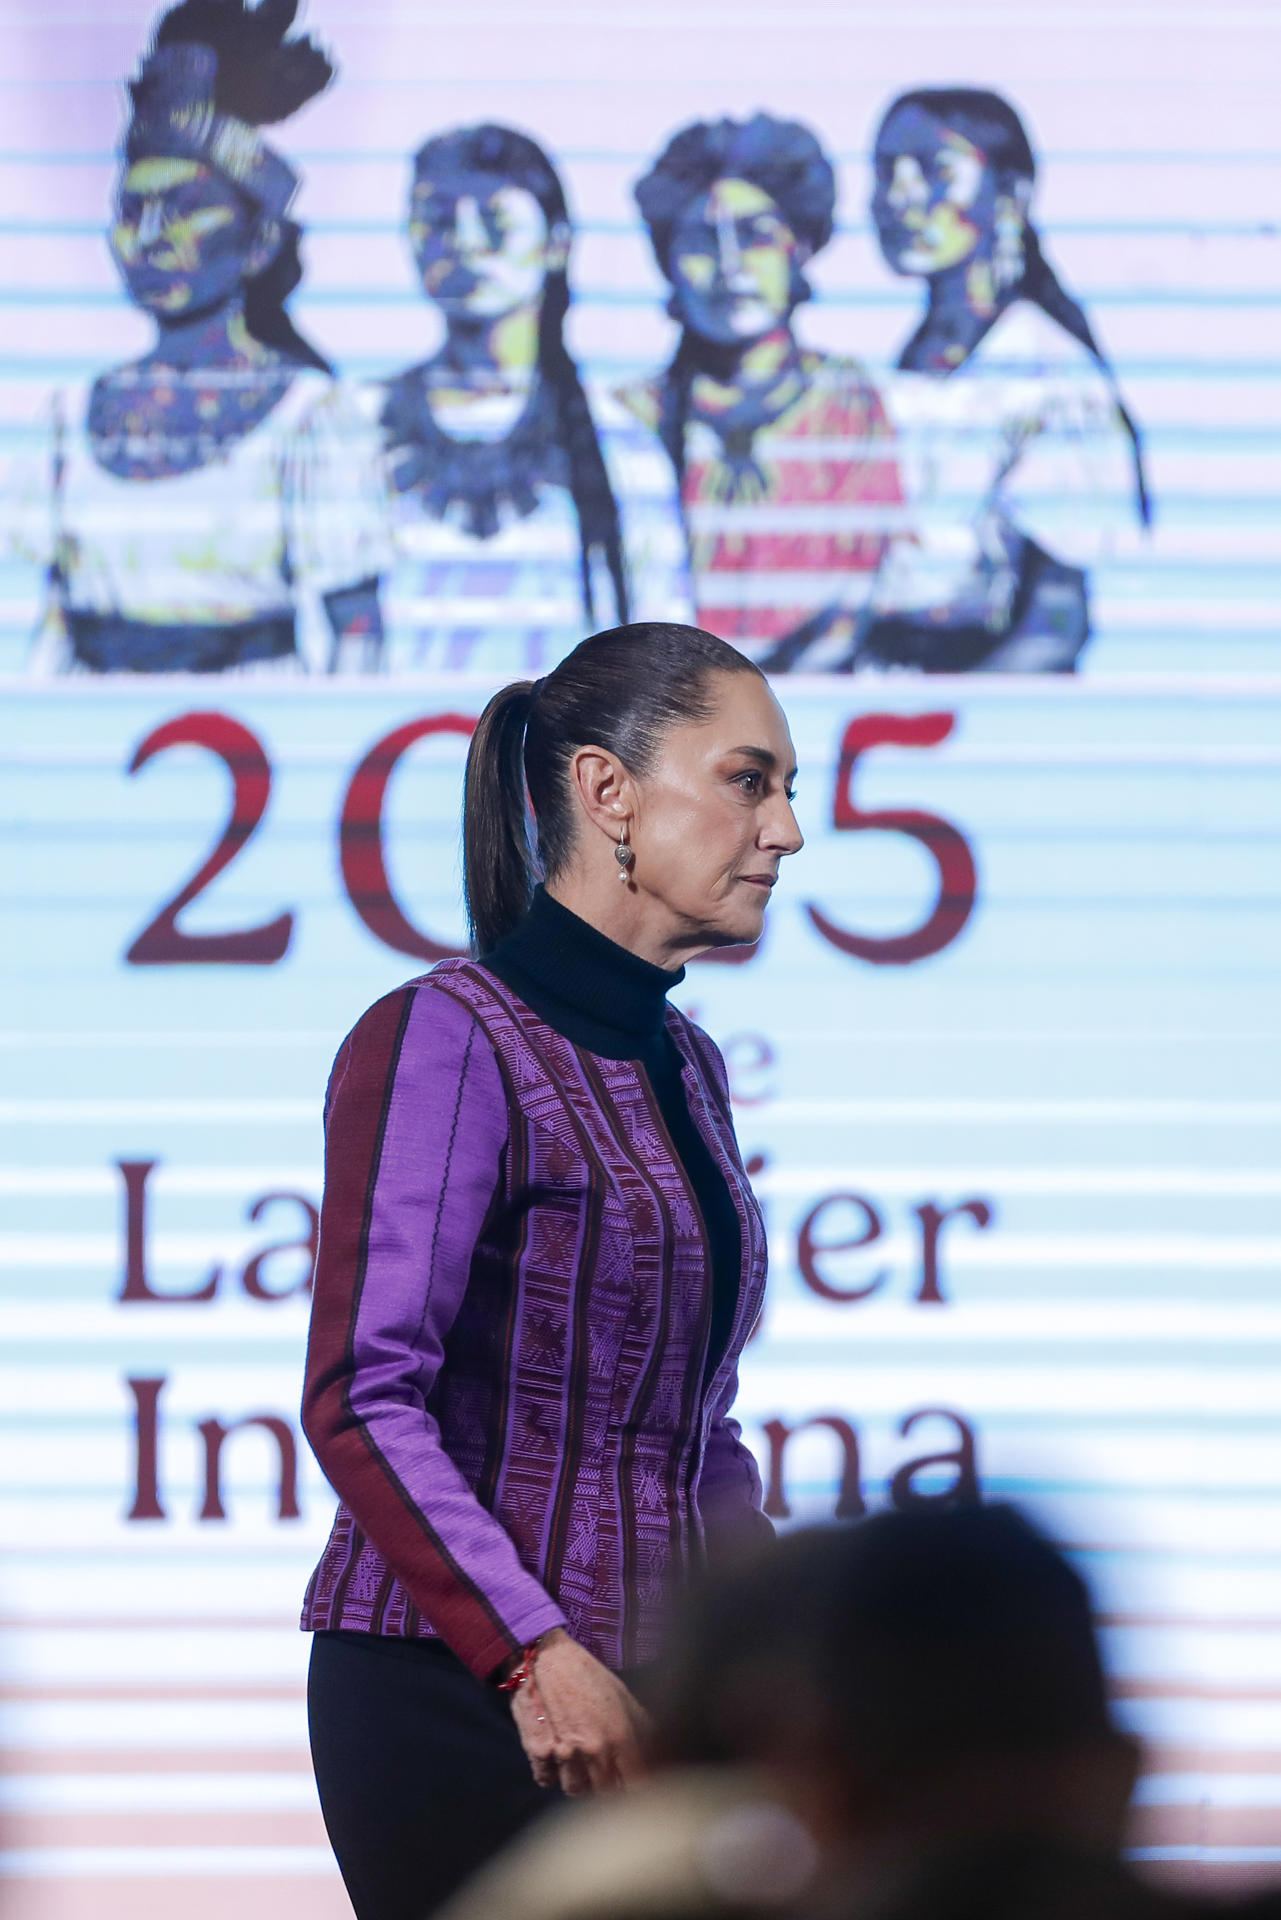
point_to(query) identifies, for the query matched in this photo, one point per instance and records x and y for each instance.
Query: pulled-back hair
(781, 157)
(985, 119)
(620, 690)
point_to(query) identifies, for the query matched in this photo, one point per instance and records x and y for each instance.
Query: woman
(1023, 464)
(539, 1261)
(783, 455)
(215, 504)
(512, 527)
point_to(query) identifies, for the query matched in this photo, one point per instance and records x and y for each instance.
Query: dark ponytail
(620, 690)
(1041, 284)
(498, 867)
(590, 487)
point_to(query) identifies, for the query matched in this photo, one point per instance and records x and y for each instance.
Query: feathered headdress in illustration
(219, 70)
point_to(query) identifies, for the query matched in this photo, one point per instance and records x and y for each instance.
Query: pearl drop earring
(623, 854)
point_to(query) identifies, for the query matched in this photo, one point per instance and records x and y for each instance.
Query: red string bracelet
(522, 1673)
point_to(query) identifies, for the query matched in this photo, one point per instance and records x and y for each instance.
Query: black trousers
(421, 1773)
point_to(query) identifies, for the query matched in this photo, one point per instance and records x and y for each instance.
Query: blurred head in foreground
(901, 1720)
(922, 1676)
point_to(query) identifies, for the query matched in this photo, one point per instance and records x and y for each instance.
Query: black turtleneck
(611, 1002)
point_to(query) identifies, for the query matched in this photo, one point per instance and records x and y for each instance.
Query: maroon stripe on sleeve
(350, 1178)
(459, 1611)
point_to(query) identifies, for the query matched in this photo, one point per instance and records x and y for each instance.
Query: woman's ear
(604, 789)
(266, 244)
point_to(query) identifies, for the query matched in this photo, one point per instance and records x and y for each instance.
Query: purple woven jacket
(505, 1375)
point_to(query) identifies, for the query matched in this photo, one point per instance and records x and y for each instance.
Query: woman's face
(732, 264)
(184, 240)
(714, 818)
(482, 245)
(935, 194)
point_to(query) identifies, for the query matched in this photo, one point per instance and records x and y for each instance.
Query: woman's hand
(577, 1722)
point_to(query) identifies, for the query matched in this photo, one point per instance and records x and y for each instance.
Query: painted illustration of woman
(1023, 465)
(526, 515)
(785, 457)
(195, 505)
